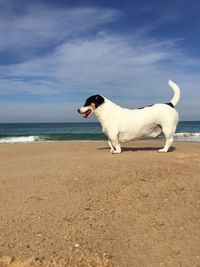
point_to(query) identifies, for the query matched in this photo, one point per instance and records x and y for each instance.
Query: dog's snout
(79, 110)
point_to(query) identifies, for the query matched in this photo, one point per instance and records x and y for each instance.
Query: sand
(75, 204)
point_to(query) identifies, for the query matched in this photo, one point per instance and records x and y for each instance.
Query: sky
(55, 54)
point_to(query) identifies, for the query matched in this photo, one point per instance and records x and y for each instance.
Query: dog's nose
(79, 110)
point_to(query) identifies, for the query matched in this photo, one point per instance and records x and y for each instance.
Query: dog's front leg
(111, 146)
(115, 144)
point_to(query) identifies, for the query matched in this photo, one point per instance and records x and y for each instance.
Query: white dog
(122, 125)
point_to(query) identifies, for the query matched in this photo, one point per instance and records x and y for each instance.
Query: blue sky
(55, 54)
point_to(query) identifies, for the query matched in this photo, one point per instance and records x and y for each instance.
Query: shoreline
(98, 141)
(76, 204)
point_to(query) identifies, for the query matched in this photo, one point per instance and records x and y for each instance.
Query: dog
(123, 125)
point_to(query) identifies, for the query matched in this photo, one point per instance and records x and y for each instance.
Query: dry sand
(75, 204)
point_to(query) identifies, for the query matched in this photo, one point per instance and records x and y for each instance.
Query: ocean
(34, 132)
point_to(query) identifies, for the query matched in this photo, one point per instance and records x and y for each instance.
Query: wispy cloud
(106, 62)
(38, 27)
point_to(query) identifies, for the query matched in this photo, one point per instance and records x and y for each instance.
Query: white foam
(187, 136)
(21, 139)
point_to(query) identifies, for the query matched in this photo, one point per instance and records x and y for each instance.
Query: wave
(183, 136)
(51, 137)
(17, 139)
(187, 136)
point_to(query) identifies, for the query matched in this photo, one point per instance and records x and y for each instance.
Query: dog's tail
(177, 93)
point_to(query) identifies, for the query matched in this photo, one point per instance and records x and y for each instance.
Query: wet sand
(75, 204)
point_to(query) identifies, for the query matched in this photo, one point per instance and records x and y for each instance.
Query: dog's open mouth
(87, 113)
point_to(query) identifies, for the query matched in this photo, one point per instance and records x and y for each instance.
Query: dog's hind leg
(168, 144)
(169, 140)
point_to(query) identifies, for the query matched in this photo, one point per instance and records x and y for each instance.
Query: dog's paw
(162, 150)
(116, 152)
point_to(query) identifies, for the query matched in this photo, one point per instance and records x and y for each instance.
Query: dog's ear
(98, 100)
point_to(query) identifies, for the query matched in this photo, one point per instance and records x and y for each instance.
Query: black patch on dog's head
(95, 99)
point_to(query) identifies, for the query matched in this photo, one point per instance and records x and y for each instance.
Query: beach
(76, 204)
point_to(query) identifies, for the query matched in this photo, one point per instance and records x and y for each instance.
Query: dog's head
(92, 103)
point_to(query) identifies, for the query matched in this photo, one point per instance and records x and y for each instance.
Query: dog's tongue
(87, 113)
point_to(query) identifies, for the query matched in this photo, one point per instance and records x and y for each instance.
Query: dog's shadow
(135, 149)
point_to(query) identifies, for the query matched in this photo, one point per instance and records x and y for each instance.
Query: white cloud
(88, 63)
(106, 63)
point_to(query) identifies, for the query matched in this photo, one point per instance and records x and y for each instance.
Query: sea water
(34, 132)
